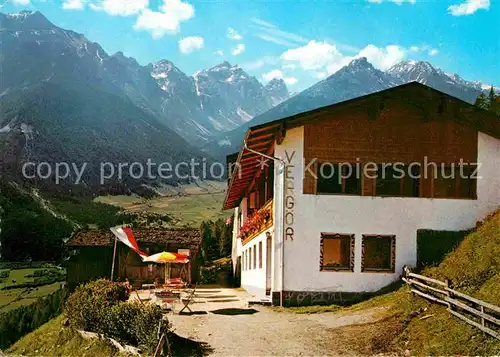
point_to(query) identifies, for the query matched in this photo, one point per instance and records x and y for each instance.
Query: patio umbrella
(166, 258)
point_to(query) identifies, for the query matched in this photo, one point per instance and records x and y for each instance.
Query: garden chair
(189, 299)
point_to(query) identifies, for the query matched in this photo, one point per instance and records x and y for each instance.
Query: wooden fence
(475, 312)
(163, 340)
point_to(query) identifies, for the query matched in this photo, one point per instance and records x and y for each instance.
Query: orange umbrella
(166, 258)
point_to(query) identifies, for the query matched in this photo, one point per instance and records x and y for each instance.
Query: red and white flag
(126, 236)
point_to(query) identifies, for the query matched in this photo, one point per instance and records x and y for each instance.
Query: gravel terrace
(227, 326)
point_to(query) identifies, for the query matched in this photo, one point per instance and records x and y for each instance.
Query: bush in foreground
(87, 306)
(134, 323)
(101, 307)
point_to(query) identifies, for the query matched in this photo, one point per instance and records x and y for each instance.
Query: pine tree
(482, 102)
(493, 101)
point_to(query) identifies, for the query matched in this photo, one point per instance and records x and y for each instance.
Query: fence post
(406, 271)
(482, 318)
(448, 292)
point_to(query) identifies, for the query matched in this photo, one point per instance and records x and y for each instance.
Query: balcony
(257, 223)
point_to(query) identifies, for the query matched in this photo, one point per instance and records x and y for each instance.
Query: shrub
(101, 307)
(220, 272)
(87, 306)
(134, 323)
(4, 274)
(51, 275)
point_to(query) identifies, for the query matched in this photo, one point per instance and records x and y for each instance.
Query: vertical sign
(289, 214)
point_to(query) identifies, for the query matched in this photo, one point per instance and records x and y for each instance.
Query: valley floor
(187, 205)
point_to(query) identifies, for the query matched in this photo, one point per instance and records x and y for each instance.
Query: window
(255, 257)
(398, 180)
(260, 255)
(330, 181)
(378, 253)
(452, 182)
(250, 258)
(336, 252)
(243, 261)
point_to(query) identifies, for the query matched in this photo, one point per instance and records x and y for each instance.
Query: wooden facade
(94, 256)
(401, 134)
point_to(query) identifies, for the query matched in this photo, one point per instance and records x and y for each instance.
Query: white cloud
(320, 75)
(219, 53)
(272, 33)
(383, 58)
(73, 5)
(324, 58)
(260, 62)
(262, 22)
(468, 7)
(398, 2)
(276, 73)
(276, 40)
(233, 35)
(21, 2)
(424, 48)
(313, 56)
(433, 52)
(290, 66)
(239, 49)
(120, 7)
(165, 21)
(190, 44)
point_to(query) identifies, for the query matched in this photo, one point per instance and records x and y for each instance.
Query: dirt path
(231, 328)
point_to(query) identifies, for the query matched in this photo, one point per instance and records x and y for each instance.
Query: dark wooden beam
(280, 136)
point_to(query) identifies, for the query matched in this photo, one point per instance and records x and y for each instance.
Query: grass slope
(54, 339)
(473, 268)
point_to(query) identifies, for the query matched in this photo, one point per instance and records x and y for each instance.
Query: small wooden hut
(93, 255)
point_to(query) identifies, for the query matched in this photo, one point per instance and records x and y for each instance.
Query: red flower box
(255, 223)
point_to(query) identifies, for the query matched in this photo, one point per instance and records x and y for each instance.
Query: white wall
(254, 280)
(236, 245)
(236, 242)
(370, 215)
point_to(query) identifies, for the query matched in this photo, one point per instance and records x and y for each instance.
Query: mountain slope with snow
(356, 79)
(218, 99)
(425, 73)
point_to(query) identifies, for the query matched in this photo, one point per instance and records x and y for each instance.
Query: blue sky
(300, 41)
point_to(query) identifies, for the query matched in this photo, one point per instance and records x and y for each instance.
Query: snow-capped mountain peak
(25, 20)
(22, 15)
(361, 62)
(277, 90)
(417, 70)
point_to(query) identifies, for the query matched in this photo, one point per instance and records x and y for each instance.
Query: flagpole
(113, 265)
